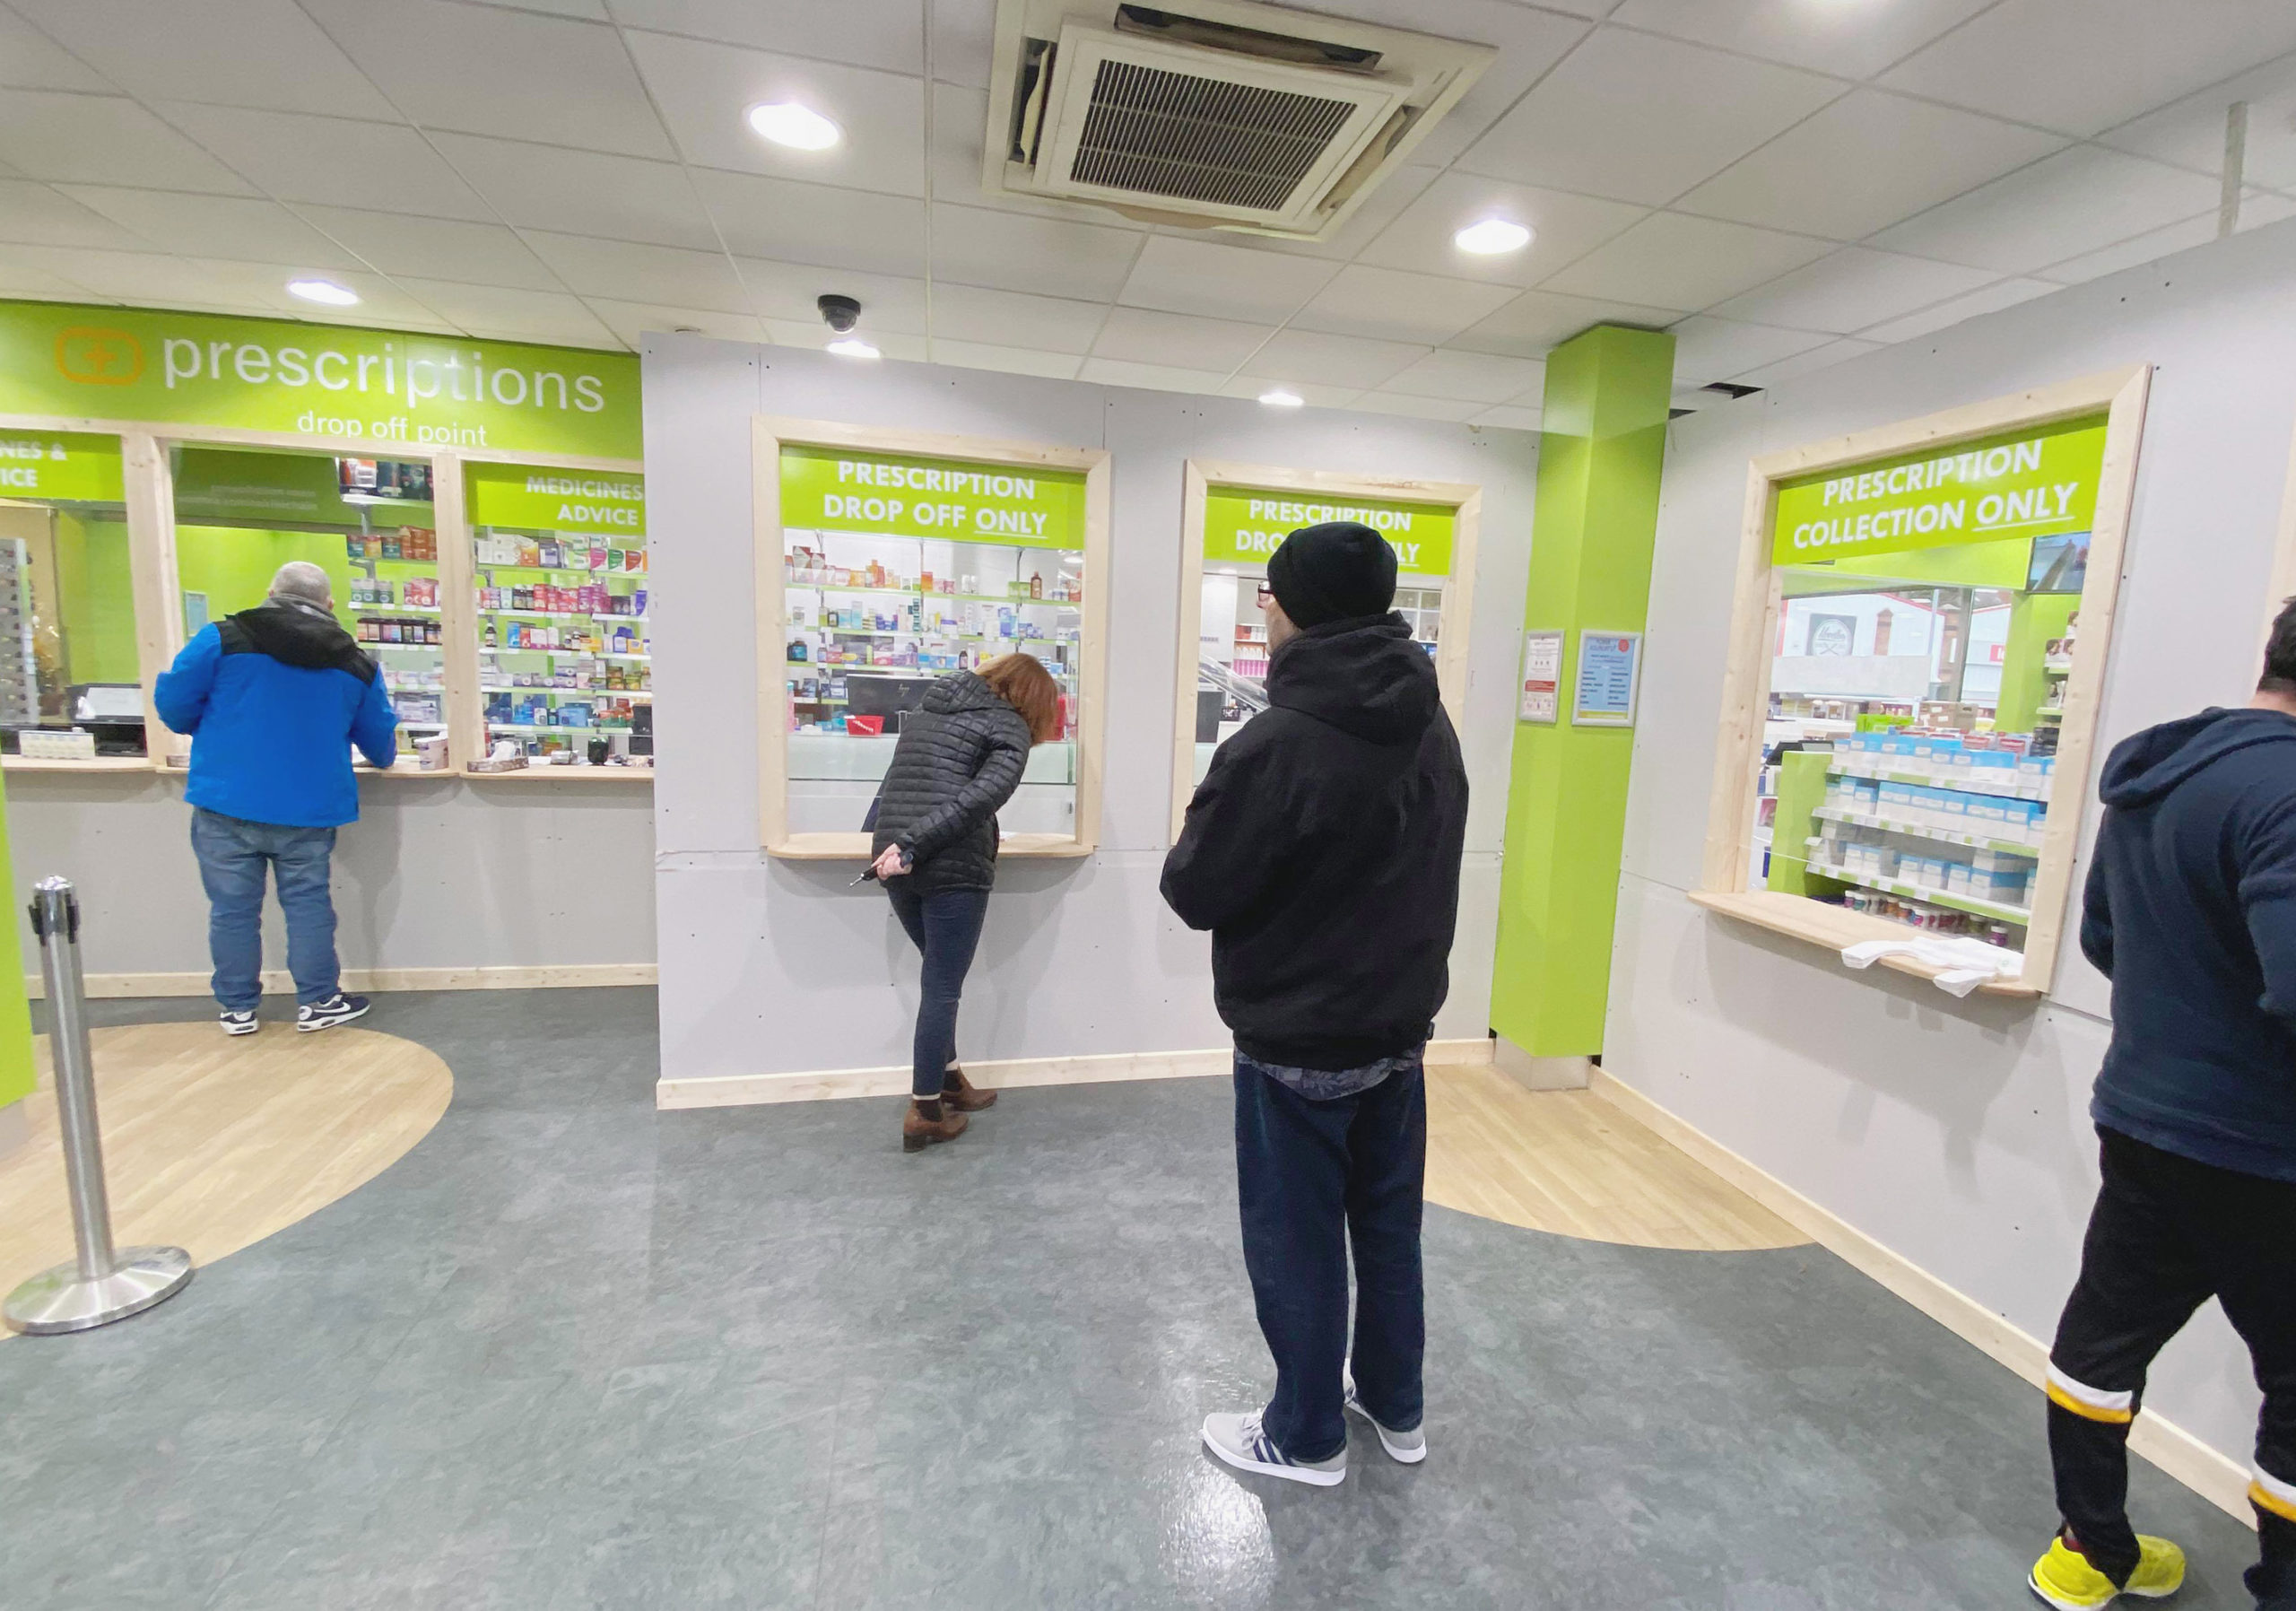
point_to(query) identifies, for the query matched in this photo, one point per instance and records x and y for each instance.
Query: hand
(893, 864)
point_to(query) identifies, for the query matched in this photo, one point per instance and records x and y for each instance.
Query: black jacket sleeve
(1232, 845)
(2097, 912)
(2268, 903)
(974, 803)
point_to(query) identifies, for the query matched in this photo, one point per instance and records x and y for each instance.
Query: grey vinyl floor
(569, 1352)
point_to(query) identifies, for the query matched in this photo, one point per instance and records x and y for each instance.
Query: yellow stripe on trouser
(2268, 1493)
(2090, 1404)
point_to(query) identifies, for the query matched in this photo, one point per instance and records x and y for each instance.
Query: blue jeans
(1311, 1176)
(232, 855)
(946, 929)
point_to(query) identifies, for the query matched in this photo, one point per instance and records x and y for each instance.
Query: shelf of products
(564, 659)
(1834, 814)
(1999, 911)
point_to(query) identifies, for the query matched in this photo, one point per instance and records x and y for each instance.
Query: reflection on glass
(873, 619)
(565, 656)
(67, 618)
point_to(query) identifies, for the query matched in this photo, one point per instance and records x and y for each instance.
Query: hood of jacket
(1364, 677)
(305, 635)
(962, 691)
(2147, 765)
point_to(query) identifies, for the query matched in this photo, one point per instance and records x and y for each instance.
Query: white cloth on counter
(1964, 963)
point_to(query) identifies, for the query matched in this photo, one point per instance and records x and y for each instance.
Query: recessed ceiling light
(799, 127)
(323, 290)
(1281, 399)
(852, 346)
(1492, 236)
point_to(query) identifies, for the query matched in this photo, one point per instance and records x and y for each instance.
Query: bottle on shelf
(1036, 585)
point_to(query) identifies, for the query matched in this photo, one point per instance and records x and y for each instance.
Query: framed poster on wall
(1610, 678)
(1542, 689)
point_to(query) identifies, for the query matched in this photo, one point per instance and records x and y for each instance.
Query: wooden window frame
(1464, 499)
(1725, 876)
(768, 434)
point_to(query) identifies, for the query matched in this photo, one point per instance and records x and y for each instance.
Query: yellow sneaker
(2064, 1579)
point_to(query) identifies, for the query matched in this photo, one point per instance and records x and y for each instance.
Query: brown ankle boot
(920, 1128)
(962, 1094)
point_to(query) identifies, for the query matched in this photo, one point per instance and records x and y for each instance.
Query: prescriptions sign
(842, 489)
(2034, 482)
(1245, 526)
(386, 388)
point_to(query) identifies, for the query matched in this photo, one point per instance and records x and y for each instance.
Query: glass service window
(68, 653)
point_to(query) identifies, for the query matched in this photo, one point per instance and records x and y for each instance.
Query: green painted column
(1600, 455)
(16, 1071)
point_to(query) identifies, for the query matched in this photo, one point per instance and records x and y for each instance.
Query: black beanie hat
(1336, 571)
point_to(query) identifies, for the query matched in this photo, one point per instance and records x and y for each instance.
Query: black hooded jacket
(2191, 911)
(1322, 851)
(958, 759)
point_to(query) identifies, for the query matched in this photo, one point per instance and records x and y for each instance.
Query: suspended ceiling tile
(1391, 305)
(1304, 356)
(1418, 408)
(388, 167)
(1052, 257)
(145, 276)
(886, 34)
(1669, 260)
(251, 53)
(1012, 318)
(1009, 361)
(1864, 163)
(581, 192)
(706, 90)
(1143, 335)
(1708, 349)
(1852, 41)
(214, 226)
(1377, 210)
(666, 276)
(34, 214)
(1535, 321)
(1222, 282)
(31, 60)
(1470, 378)
(1253, 387)
(477, 70)
(959, 119)
(1567, 227)
(631, 321)
(103, 140)
(1151, 376)
(1991, 298)
(2191, 132)
(381, 301)
(2146, 247)
(792, 291)
(897, 345)
(513, 315)
(1510, 419)
(1640, 118)
(436, 249)
(964, 35)
(2076, 201)
(1852, 288)
(2084, 66)
(26, 271)
(1807, 363)
(793, 222)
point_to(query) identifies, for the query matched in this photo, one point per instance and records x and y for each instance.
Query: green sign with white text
(387, 388)
(1244, 525)
(577, 501)
(961, 501)
(2034, 482)
(60, 466)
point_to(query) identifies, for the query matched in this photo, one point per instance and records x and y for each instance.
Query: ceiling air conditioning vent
(1232, 116)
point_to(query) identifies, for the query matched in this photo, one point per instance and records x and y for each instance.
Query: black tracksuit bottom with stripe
(2168, 1235)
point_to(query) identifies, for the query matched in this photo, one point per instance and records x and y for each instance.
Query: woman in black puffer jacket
(958, 758)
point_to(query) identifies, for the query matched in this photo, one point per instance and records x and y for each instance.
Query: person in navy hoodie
(2191, 912)
(273, 698)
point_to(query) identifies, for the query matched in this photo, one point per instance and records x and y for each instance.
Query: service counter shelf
(1835, 929)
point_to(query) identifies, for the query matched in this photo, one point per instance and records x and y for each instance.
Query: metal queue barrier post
(103, 1284)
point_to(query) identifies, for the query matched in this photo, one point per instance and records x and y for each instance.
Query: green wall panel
(16, 1074)
(97, 598)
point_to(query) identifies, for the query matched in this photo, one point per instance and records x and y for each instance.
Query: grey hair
(301, 580)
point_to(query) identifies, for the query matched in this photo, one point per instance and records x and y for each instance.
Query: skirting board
(276, 981)
(2222, 1481)
(15, 1127)
(748, 1090)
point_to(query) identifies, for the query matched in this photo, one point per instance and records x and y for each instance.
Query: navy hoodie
(2191, 911)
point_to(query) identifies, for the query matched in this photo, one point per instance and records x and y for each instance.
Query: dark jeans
(232, 856)
(1312, 1176)
(2167, 1235)
(946, 929)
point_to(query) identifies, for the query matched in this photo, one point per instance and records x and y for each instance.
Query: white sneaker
(1239, 1440)
(1408, 1447)
(237, 1023)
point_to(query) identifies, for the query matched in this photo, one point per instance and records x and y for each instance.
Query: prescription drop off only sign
(1244, 525)
(2034, 482)
(961, 501)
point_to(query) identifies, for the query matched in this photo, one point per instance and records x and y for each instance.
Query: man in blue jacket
(2191, 912)
(273, 698)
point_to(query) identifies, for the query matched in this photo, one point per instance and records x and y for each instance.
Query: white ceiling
(1785, 183)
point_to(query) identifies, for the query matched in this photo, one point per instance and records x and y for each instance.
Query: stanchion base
(59, 1300)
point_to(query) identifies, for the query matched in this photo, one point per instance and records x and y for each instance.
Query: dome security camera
(841, 312)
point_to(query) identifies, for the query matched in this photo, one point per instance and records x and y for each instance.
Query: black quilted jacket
(958, 759)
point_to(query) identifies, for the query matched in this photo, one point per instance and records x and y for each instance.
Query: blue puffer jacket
(273, 698)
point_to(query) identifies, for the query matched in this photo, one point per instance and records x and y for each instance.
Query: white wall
(779, 967)
(1955, 1133)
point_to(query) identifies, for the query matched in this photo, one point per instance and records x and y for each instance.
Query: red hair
(1022, 682)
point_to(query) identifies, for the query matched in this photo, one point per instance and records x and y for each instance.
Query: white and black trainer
(238, 1024)
(338, 1008)
(1239, 1440)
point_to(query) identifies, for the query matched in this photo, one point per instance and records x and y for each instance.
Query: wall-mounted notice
(1541, 693)
(1610, 676)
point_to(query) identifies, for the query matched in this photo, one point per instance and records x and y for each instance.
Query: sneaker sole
(2046, 1597)
(241, 1029)
(1298, 1474)
(313, 1025)
(1402, 1457)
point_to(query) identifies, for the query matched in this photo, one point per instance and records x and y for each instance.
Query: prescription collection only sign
(1244, 525)
(903, 495)
(2033, 483)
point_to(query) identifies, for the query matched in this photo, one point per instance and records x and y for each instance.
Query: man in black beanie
(1322, 851)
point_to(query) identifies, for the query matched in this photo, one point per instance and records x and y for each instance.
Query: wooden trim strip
(564, 976)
